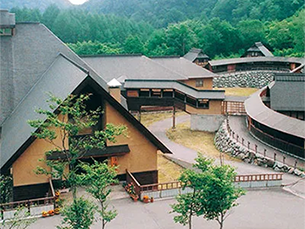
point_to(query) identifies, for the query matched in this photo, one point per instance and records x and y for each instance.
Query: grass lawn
(199, 141)
(168, 170)
(238, 91)
(149, 118)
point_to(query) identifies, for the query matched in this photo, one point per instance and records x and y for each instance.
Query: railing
(29, 203)
(130, 179)
(161, 186)
(259, 177)
(278, 143)
(254, 147)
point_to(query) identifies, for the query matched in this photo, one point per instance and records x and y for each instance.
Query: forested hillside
(38, 4)
(92, 32)
(162, 12)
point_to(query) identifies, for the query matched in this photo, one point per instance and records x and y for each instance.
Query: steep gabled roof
(133, 67)
(259, 47)
(184, 67)
(34, 62)
(195, 53)
(288, 92)
(24, 58)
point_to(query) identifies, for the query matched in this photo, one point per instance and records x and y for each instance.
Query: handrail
(259, 177)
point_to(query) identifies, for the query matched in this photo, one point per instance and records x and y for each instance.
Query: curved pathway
(188, 155)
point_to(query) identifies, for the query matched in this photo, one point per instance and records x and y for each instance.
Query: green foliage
(80, 214)
(97, 178)
(63, 130)
(219, 27)
(213, 192)
(6, 187)
(21, 219)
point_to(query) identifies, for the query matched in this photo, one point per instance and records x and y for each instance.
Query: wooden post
(242, 141)
(139, 115)
(255, 148)
(174, 117)
(237, 137)
(248, 145)
(274, 156)
(295, 164)
(265, 153)
(284, 158)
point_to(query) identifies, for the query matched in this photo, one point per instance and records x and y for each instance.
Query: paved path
(188, 155)
(260, 208)
(238, 125)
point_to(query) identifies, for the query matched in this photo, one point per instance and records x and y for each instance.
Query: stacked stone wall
(257, 79)
(226, 144)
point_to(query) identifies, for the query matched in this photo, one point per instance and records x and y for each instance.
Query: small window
(199, 83)
(168, 93)
(6, 32)
(144, 93)
(203, 103)
(132, 93)
(156, 93)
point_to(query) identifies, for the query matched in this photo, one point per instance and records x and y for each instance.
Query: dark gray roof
(131, 67)
(288, 92)
(33, 62)
(195, 53)
(7, 20)
(184, 67)
(256, 59)
(24, 58)
(258, 46)
(257, 110)
(172, 84)
(16, 130)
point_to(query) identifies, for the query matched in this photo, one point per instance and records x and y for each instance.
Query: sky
(78, 2)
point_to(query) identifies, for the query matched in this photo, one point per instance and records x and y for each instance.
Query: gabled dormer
(7, 23)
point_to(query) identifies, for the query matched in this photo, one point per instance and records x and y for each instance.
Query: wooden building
(197, 56)
(276, 113)
(256, 50)
(35, 62)
(271, 63)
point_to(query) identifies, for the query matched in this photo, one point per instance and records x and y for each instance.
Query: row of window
(169, 93)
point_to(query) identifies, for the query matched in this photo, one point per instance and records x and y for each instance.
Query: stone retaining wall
(224, 143)
(257, 79)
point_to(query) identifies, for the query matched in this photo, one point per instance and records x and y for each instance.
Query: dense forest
(222, 28)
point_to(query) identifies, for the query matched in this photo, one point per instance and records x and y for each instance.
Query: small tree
(21, 219)
(98, 177)
(190, 204)
(63, 129)
(220, 193)
(213, 192)
(80, 214)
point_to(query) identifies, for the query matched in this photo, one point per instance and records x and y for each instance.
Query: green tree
(63, 129)
(21, 219)
(212, 195)
(97, 178)
(133, 44)
(80, 214)
(49, 15)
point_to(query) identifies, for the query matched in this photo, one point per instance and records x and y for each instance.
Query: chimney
(114, 88)
(7, 23)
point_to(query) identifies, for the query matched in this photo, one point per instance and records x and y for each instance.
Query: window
(203, 103)
(144, 93)
(199, 83)
(168, 93)
(6, 32)
(156, 93)
(132, 93)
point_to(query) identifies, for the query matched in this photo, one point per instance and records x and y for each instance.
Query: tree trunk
(190, 221)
